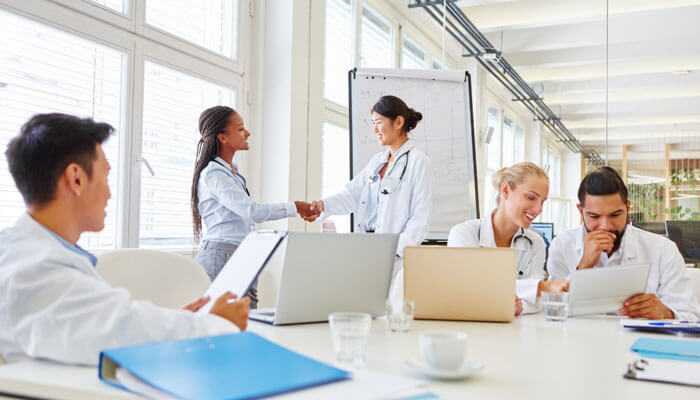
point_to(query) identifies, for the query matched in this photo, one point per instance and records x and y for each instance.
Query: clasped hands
(309, 211)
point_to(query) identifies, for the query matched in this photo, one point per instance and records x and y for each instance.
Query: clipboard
(244, 266)
(664, 371)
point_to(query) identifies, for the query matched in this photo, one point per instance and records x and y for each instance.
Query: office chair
(166, 279)
(686, 235)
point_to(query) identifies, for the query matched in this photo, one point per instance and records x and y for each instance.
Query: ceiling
(558, 46)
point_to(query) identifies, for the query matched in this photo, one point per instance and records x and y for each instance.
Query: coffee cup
(444, 350)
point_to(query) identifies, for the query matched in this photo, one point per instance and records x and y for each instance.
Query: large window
(508, 142)
(377, 41)
(493, 157)
(115, 5)
(339, 51)
(207, 23)
(336, 167)
(172, 104)
(412, 56)
(45, 70)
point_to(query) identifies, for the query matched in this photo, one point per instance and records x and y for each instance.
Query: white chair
(694, 275)
(166, 279)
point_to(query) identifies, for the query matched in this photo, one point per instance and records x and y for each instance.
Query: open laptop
(461, 283)
(329, 272)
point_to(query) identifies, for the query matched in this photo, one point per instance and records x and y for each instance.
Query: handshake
(309, 211)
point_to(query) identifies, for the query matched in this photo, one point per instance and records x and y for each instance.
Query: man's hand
(233, 311)
(518, 306)
(197, 304)
(594, 244)
(646, 305)
(306, 211)
(318, 206)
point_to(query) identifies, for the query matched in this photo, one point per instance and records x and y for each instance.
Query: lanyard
(245, 184)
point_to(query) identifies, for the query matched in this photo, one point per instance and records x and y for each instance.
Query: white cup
(445, 350)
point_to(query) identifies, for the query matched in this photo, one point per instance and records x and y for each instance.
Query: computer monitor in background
(546, 229)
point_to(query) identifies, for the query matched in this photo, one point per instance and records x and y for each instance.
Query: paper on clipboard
(244, 265)
(666, 371)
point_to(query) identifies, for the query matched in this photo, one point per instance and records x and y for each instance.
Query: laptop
(324, 273)
(461, 283)
(603, 290)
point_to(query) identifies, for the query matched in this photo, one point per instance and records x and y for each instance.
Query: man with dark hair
(53, 304)
(607, 239)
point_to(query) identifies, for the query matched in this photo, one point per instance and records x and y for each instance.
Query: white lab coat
(54, 305)
(531, 258)
(667, 277)
(406, 211)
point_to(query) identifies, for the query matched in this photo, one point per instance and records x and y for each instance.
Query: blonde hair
(515, 175)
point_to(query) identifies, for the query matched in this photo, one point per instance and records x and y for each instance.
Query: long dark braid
(212, 121)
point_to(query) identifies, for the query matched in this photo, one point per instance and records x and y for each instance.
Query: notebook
(663, 326)
(236, 366)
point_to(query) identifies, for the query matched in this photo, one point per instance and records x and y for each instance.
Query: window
(412, 57)
(116, 5)
(508, 145)
(493, 158)
(377, 50)
(339, 51)
(211, 24)
(519, 144)
(46, 70)
(172, 104)
(494, 145)
(437, 65)
(336, 167)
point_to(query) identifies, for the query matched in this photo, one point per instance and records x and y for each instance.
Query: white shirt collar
(405, 147)
(487, 237)
(233, 167)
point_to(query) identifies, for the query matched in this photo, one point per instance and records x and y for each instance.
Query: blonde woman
(522, 190)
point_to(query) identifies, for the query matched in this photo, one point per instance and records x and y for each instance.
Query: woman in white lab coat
(392, 194)
(522, 190)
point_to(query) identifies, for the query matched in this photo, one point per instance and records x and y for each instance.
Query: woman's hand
(518, 306)
(553, 285)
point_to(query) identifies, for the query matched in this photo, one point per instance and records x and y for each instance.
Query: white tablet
(603, 290)
(244, 266)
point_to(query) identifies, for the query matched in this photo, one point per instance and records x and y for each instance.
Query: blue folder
(236, 366)
(669, 349)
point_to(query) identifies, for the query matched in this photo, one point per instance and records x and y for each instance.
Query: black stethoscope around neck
(388, 189)
(519, 236)
(228, 168)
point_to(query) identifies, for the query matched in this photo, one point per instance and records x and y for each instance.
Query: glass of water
(399, 314)
(349, 332)
(555, 306)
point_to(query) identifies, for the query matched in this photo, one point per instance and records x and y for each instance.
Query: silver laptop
(329, 272)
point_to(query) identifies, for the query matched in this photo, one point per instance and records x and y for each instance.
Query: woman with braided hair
(220, 197)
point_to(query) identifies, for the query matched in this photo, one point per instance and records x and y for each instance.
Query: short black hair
(600, 182)
(45, 146)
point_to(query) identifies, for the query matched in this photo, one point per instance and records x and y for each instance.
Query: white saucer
(468, 369)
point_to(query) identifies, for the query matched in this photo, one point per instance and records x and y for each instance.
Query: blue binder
(236, 366)
(669, 349)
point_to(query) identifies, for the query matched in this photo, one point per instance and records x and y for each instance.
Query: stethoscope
(389, 183)
(245, 184)
(520, 236)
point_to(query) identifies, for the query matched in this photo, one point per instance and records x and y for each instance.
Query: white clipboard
(244, 266)
(665, 371)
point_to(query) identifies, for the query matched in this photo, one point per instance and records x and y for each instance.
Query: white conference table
(530, 358)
